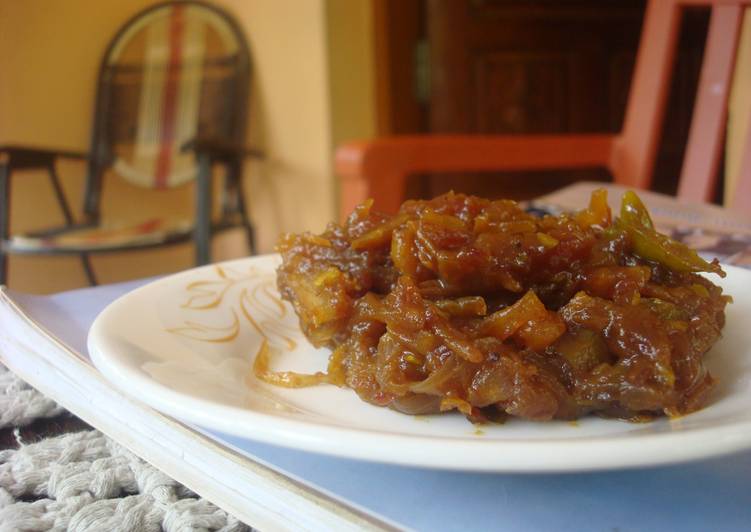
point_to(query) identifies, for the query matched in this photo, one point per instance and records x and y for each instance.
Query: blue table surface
(710, 495)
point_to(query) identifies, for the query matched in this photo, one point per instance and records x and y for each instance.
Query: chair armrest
(34, 157)
(221, 150)
(379, 168)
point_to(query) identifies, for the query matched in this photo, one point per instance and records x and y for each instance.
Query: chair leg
(4, 218)
(88, 269)
(202, 229)
(249, 234)
(59, 194)
(3, 267)
(249, 230)
(235, 179)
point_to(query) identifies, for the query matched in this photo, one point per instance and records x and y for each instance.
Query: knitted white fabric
(86, 482)
(20, 404)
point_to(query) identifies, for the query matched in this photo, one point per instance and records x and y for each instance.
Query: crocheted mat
(83, 481)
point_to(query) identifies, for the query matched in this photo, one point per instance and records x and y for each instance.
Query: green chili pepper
(651, 245)
(633, 211)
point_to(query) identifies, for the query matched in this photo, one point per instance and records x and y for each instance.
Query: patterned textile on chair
(114, 236)
(175, 49)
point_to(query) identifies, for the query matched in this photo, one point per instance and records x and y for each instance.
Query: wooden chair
(379, 168)
(171, 102)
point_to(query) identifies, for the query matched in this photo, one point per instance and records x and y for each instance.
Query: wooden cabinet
(513, 66)
(540, 66)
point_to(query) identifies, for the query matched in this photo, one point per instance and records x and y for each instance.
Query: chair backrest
(636, 149)
(173, 72)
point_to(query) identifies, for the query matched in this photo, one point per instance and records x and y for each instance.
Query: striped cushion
(150, 232)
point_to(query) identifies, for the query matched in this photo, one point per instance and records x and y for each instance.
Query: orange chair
(380, 168)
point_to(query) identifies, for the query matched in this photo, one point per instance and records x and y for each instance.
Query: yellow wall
(352, 75)
(352, 71)
(312, 80)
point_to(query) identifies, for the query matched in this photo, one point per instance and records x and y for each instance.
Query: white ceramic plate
(185, 345)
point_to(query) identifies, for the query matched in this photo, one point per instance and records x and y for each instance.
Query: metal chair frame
(229, 152)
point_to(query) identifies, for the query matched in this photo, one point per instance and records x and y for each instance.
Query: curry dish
(476, 305)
